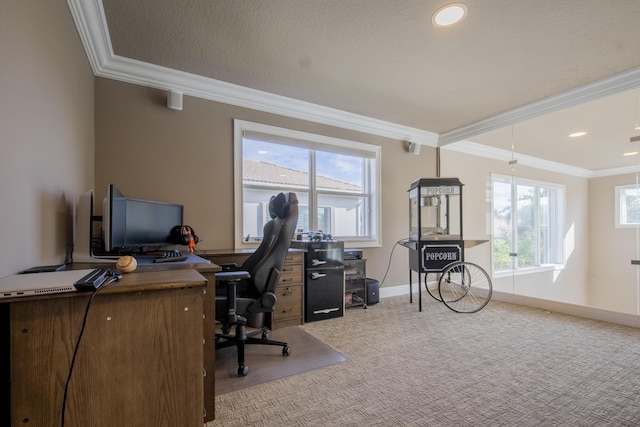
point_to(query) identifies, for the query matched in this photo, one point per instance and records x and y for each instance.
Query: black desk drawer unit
(324, 279)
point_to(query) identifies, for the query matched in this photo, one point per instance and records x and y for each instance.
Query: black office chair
(247, 295)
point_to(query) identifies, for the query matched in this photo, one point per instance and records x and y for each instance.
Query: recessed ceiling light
(577, 134)
(262, 152)
(632, 153)
(449, 15)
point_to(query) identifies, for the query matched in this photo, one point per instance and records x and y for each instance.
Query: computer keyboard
(171, 259)
(171, 256)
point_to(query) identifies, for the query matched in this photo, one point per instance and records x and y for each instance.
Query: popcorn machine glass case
(435, 223)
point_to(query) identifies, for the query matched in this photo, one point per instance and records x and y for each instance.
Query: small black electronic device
(351, 254)
(93, 280)
(373, 291)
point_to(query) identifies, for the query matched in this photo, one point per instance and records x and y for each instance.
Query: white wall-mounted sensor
(174, 100)
(414, 148)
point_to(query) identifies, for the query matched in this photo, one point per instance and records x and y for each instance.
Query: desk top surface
(151, 280)
(192, 262)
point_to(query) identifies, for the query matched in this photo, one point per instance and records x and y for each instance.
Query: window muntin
(336, 180)
(528, 219)
(627, 208)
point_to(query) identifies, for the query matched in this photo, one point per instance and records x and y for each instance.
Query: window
(627, 206)
(336, 181)
(528, 221)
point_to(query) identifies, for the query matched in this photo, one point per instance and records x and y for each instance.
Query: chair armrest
(232, 266)
(232, 276)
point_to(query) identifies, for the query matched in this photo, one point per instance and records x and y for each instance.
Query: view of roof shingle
(268, 173)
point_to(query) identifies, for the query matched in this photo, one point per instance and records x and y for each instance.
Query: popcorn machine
(436, 246)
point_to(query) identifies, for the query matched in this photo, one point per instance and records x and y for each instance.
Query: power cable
(114, 277)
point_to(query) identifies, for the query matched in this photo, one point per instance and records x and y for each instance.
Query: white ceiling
(507, 62)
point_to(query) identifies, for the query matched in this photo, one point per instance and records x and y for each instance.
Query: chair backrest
(268, 259)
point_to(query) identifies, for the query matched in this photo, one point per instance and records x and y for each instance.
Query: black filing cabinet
(324, 279)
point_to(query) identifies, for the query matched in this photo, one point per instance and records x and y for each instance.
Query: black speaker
(373, 291)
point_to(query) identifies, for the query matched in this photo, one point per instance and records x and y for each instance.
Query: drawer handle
(287, 291)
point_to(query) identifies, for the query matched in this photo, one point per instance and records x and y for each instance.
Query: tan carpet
(266, 363)
(506, 365)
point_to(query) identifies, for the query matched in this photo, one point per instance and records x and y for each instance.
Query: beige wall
(46, 131)
(566, 285)
(612, 278)
(152, 152)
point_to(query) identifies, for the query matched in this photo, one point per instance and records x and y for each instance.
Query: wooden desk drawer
(286, 310)
(289, 293)
(293, 258)
(291, 274)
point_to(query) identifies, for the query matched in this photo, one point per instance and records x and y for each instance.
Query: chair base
(241, 338)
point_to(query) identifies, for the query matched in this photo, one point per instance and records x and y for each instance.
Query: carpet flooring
(506, 365)
(266, 363)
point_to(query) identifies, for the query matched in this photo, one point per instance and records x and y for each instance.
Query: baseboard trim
(554, 306)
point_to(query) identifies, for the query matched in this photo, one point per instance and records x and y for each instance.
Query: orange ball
(126, 264)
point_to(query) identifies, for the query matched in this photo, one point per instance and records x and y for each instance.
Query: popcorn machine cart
(436, 247)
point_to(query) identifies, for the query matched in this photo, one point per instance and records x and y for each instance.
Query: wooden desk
(208, 270)
(140, 361)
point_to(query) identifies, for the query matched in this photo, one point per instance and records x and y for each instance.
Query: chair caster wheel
(265, 335)
(286, 351)
(243, 370)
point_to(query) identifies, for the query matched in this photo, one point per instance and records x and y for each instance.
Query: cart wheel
(465, 287)
(431, 285)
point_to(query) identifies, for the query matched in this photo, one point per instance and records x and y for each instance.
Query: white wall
(566, 285)
(612, 278)
(46, 131)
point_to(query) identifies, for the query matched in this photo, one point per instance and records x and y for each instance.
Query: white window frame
(375, 217)
(620, 213)
(559, 224)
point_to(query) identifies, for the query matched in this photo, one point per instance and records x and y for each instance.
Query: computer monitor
(136, 225)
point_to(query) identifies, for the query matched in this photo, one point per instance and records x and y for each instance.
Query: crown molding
(475, 149)
(91, 23)
(617, 83)
(499, 154)
(615, 171)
